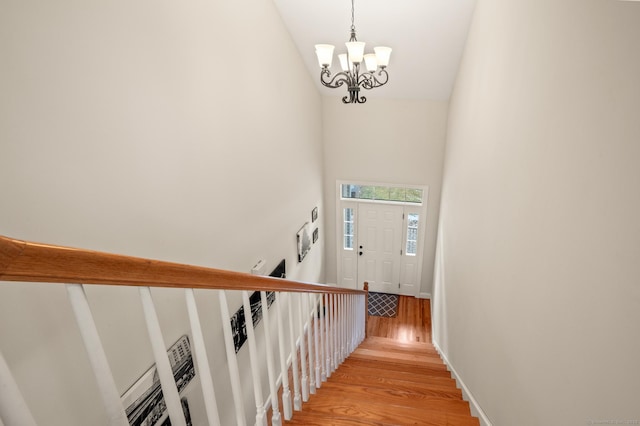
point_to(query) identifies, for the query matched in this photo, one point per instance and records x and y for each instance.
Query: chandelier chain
(353, 13)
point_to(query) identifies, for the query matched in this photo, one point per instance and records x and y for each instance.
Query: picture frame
(314, 214)
(304, 241)
(144, 402)
(315, 235)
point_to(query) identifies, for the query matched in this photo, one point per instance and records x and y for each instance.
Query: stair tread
(396, 371)
(385, 364)
(412, 359)
(385, 342)
(311, 419)
(390, 414)
(386, 395)
(437, 389)
(393, 350)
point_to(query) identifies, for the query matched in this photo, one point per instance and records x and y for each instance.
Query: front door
(379, 246)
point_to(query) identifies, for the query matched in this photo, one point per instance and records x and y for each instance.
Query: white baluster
(336, 333)
(338, 330)
(347, 320)
(303, 353)
(347, 324)
(363, 313)
(202, 362)
(356, 334)
(312, 376)
(343, 328)
(286, 393)
(97, 357)
(261, 418)
(352, 325)
(163, 368)
(297, 402)
(356, 305)
(316, 337)
(275, 416)
(232, 360)
(327, 334)
(323, 338)
(13, 408)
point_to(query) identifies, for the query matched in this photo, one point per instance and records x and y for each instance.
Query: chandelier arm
(368, 80)
(338, 80)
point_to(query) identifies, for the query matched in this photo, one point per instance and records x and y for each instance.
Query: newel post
(366, 308)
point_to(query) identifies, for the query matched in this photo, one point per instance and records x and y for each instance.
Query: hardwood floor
(412, 324)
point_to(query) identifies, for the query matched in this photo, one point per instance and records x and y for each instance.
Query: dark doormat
(383, 305)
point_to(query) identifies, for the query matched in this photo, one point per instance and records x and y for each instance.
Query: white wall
(384, 141)
(156, 129)
(537, 298)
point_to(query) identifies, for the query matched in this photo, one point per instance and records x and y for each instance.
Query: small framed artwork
(314, 214)
(304, 242)
(315, 235)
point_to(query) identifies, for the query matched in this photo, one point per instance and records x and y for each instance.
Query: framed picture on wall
(315, 235)
(304, 241)
(314, 214)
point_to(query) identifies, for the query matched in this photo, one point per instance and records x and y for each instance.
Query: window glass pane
(382, 193)
(367, 192)
(397, 194)
(348, 242)
(412, 234)
(348, 229)
(411, 248)
(414, 195)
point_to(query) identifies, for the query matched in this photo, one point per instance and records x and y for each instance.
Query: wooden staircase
(388, 382)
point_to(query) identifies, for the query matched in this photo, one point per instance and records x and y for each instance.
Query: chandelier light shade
(351, 75)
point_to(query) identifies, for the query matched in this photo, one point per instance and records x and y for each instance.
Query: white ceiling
(427, 37)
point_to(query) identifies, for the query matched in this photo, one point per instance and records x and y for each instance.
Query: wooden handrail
(34, 262)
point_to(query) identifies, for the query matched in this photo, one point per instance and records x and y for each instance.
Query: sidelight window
(348, 228)
(412, 233)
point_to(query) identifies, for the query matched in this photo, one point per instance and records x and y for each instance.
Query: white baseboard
(424, 295)
(476, 410)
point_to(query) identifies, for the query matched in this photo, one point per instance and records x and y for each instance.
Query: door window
(348, 228)
(412, 234)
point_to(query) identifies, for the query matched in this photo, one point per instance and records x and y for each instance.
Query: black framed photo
(304, 241)
(314, 214)
(315, 235)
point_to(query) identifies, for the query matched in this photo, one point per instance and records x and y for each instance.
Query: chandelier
(350, 63)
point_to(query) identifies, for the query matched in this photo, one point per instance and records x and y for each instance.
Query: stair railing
(331, 322)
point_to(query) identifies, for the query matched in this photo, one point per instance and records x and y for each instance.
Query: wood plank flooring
(412, 324)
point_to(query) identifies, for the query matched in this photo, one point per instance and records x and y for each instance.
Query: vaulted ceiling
(427, 37)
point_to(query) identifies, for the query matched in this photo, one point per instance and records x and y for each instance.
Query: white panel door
(379, 246)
